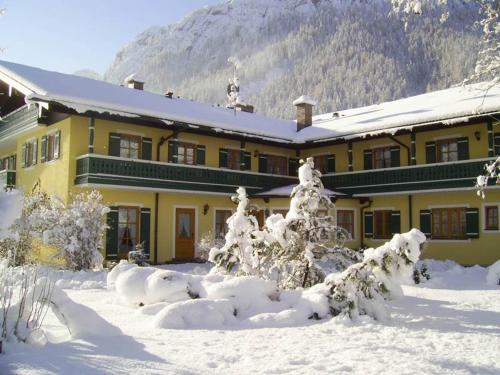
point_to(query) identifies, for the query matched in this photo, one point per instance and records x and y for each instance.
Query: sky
(69, 35)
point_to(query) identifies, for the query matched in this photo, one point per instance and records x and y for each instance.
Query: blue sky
(68, 35)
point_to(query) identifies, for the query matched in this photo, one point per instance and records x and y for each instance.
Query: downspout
(362, 234)
(408, 152)
(410, 212)
(157, 197)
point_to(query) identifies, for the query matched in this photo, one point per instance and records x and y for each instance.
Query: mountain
(345, 53)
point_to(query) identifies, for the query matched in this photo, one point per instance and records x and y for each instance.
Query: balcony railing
(7, 179)
(18, 121)
(108, 170)
(438, 176)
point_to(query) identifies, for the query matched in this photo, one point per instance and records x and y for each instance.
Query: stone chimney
(134, 82)
(304, 106)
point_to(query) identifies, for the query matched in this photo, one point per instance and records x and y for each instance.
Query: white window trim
(354, 218)
(174, 223)
(483, 217)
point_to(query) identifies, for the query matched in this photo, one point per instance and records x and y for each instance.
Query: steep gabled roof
(455, 105)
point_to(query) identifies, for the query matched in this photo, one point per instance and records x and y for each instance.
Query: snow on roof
(449, 106)
(304, 99)
(285, 191)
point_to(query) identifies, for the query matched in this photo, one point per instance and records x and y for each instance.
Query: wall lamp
(206, 207)
(477, 134)
(256, 153)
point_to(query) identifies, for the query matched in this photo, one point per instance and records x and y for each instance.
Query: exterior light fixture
(477, 134)
(206, 207)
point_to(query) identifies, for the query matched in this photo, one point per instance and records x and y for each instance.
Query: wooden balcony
(438, 176)
(18, 121)
(7, 179)
(150, 175)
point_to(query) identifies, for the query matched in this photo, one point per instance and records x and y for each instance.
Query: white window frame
(483, 217)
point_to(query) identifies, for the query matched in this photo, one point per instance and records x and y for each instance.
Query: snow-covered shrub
(11, 205)
(207, 243)
(493, 275)
(138, 256)
(239, 246)
(421, 273)
(78, 231)
(363, 287)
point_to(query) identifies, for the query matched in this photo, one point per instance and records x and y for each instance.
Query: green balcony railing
(461, 174)
(19, 120)
(7, 179)
(107, 170)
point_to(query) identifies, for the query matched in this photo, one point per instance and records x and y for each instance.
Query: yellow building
(167, 166)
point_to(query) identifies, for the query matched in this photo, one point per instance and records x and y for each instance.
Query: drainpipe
(410, 212)
(403, 145)
(157, 197)
(362, 234)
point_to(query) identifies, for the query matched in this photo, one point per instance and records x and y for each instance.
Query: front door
(184, 233)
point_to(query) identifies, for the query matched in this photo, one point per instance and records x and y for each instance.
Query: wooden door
(184, 233)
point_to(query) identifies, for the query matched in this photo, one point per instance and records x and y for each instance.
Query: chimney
(134, 82)
(243, 107)
(169, 94)
(304, 106)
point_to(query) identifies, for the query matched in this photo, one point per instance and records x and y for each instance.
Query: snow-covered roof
(304, 99)
(449, 106)
(285, 191)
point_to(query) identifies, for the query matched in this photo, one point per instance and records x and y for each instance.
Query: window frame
(353, 213)
(462, 223)
(386, 232)
(215, 229)
(234, 159)
(273, 161)
(130, 138)
(185, 146)
(386, 157)
(137, 238)
(322, 166)
(439, 153)
(31, 149)
(486, 226)
(53, 141)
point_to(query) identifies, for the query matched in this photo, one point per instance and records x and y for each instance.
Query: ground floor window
(382, 224)
(345, 219)
(282, 211)
(491, 218)
(128, 228)
(449, 223)
(221, 217)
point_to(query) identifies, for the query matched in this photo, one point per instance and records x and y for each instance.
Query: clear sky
(69, 35)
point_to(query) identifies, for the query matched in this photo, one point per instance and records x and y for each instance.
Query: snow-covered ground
(450, 324)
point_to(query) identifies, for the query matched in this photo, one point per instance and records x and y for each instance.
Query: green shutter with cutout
(463, 148)
(200, 154)
(147, 149)
(395, 222)
(222, 158)
(395, 157)
(293, 165)
(430, 152)
(425, 222)
(262, 163)
(368, 224)
(57, 144)
(247, 157)
(330, 163)
(35, 152)
(112, 233)
(43, 156)
(23, 155)
(472, 222)
(146, 229)
(114, 144)
(368, 159)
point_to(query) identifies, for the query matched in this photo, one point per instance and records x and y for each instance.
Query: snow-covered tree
(79, 231)
(238, 248)
(492, 170)
(363, 287)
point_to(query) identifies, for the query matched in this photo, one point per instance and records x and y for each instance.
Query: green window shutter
(463, 148)
(368, 219)
(147, 149)
(330, 164)
(425, 222)
(430, 152)
(293, 165)
(497, 144)
(472, 222)
(200, 154)
(242, 158)
(262, 163)
(112, 233)
(395, 157)
(222, 158)
(395, 222)
(170, 151)
(114, 144)
(23, 155)
(35, 151)
(43, 157)
(57, 144)
(146, 229)
(247, 157)
(368, 159)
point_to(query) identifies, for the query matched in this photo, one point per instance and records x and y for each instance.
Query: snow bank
(11, 204)
(493, 275)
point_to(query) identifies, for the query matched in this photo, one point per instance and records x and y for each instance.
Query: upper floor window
(186, 153)
(325, 163)
(51, 144)
(236, 159)
(130, 146)
(345, 219)
(277, 164)
(30, 153)
(382, 157)
(491, 218)
(447, 150)
(496, 140)
(449, 223)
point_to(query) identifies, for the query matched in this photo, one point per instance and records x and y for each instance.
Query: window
(447, 150)
(449, 223)
(128, 228)
(382, 224)
(234, 159)
(51, 145)
(320, 163)
(382, 157)
(30, 153)
(282, 211)
(496, 141)
(277, 165)
(491, 218)
(186, 153)
(345, 219)
(221, 217)
(130, 146)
